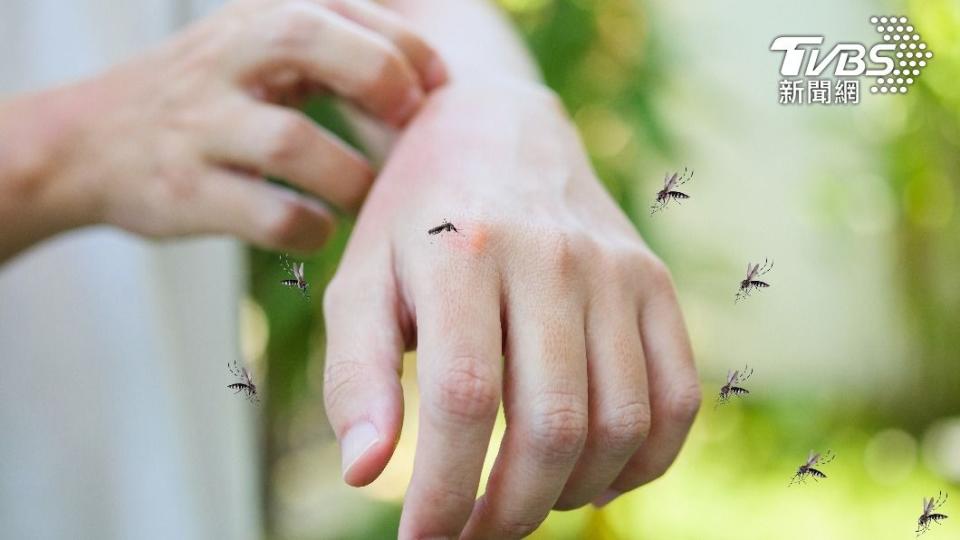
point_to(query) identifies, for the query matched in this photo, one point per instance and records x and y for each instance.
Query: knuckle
(657, 272)
(625, 427)
(389, 71)
(406, 40)
(561, 252)
(559, 429)
(294, 26)
(518, 527)
(442, 495)
(185, 120)
(562, 255)
(468, 390)
(341, 378)
(409, 42)
(291, 139)
(177, 185)
(683, 403)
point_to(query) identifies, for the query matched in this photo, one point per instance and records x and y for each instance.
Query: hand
(598, 382)
(175, 142)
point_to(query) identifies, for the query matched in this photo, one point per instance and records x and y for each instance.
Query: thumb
(362, 392)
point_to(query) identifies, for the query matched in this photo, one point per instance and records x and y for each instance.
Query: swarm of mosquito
(929, 515)
(751, 282)
(298, 281)
(245, 384)
(669, 191)
(810, 470)
(732, 387)
(446, 226)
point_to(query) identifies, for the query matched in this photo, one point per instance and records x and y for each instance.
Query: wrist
(490, 110)
(502, 93)
(479, 136)
(40, 173)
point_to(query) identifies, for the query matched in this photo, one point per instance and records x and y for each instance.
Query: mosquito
(732, 388)
(751, 283)
(245, 384)
(814, 460)
(445, 226)
(298, 281)
(929, 516)
(669, 191)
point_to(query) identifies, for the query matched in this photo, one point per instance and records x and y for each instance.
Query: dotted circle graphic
(910, 54)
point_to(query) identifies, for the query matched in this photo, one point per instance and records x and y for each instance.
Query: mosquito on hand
(446, 226)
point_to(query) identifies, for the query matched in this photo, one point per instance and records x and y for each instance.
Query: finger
(546, 408)
(280, 142)
(422, 56)
(285, 87)
(674, 388)
(249, 208)
(364, 400)
(353, 61)
(618, 402)
(459, 372)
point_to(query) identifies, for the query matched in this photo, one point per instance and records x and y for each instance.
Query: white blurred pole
(114, 417)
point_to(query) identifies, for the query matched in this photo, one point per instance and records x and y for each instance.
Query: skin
(547, 301)
(176, 141)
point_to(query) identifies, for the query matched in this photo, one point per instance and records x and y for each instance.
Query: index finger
(459, 372)
(281, 142)
(420, 54)
(334, 52)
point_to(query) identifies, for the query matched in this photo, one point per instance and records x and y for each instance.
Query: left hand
(598, 383)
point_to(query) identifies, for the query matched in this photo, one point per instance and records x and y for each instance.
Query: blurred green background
(854, 347)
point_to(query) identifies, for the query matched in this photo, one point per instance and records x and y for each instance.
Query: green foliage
(605, 62)
(925, 173)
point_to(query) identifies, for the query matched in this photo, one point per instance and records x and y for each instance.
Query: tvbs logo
(896, 61)
(849, 58)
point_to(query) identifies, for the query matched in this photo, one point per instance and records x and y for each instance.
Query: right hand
(176, 142)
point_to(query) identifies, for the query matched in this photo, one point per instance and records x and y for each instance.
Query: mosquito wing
(813, 458)
(927, 505)
(732, 376)
(298, 272)
(670, 182)
(752, 270)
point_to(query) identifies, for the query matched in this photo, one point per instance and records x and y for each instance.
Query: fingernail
(436, 73)
(604, 498)
(407, 107)
(359, 438)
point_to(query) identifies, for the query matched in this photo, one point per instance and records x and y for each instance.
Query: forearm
(473, 37)
(477, 44)
(37, 198)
